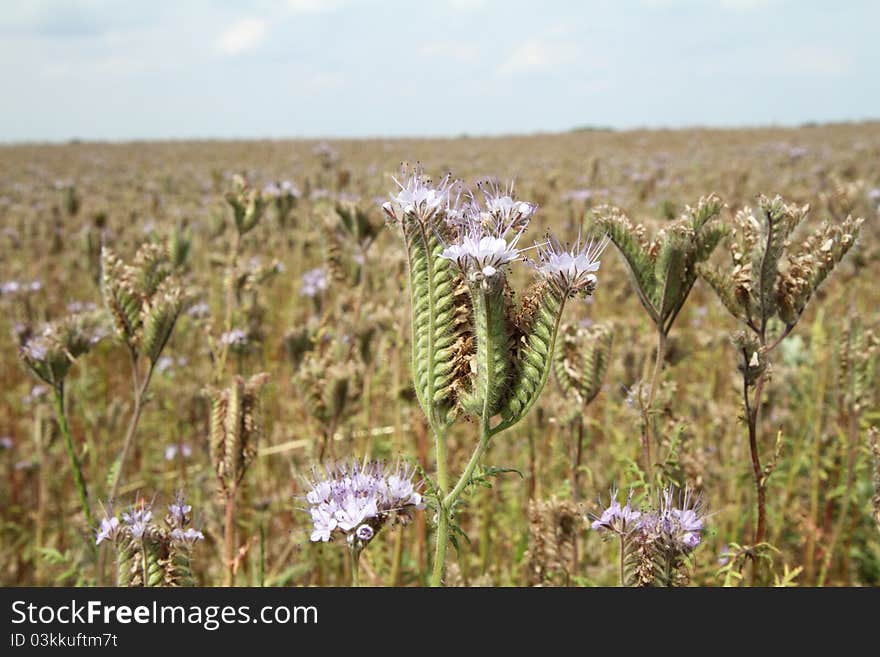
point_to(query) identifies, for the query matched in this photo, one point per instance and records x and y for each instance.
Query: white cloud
(537, 55)
(460, 52)
(243, 35)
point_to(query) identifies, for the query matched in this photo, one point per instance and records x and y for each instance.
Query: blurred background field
(325, 313)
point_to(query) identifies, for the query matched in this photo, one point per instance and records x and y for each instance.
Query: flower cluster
(481, 232)
(677, 522)
(615, 518)
(418, 197)
(137, 523)
(485, 235)
(51, 352)
(571, 269)
(357, 498)
(147, 553)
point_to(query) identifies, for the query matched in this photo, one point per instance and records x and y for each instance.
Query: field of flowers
(641, 358)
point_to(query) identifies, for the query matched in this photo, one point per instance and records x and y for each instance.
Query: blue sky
(148, 69)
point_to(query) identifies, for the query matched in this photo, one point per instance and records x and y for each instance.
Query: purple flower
(6, 442)
(138, 520)
(188, 536)
(36, 349)
(234, 338)
(172, 450)
(179, 511)
(198, 310)
(109, 530)
(314, 281)
(677, 523)
(616, 518)
(354, 495)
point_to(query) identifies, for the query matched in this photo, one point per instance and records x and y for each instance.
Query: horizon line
(587, 128)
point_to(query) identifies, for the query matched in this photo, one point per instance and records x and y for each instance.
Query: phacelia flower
(137, 520)
(234, 338)
(172, 451)
(677, 524)
(357, 499)
(314, 281)
(418, 197)
(572, 270)
(487, 234)
(188, 535)
(109, 530)
(616, 518)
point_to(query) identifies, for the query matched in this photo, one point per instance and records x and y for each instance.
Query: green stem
(78, 478)
(442, 518)
(140, 391)
(622, 572)
(448, 502)
(355, 566)
(649, 407)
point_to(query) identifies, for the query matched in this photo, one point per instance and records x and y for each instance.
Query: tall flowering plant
(476, 352)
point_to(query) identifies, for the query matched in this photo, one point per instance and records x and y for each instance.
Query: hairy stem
(757, 472)
(140, 390)
(78, 478)
(355, 566)
(442, 518)
(647, 412)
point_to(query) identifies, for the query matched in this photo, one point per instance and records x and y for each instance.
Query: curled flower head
(357, 499)
(571, 269)
(615, 518)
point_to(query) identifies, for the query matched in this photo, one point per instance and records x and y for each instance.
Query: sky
(164, 69)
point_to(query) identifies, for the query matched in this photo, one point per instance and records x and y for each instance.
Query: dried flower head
(51, 352)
